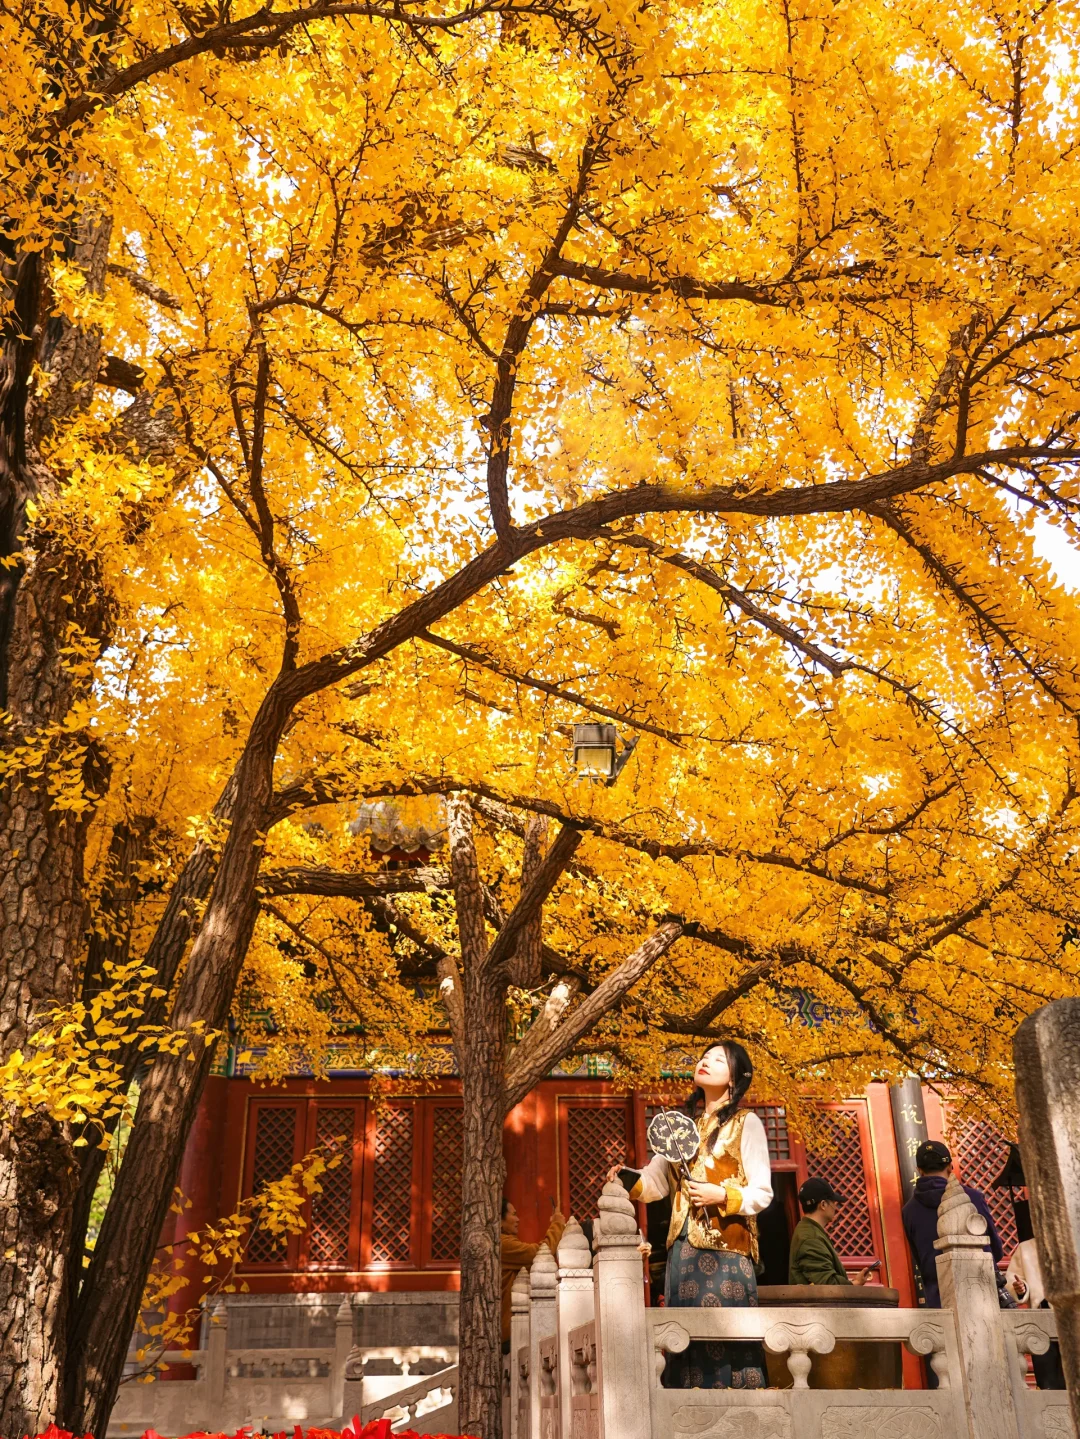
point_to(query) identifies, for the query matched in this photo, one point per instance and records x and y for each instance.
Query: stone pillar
(623, 1359)
(909, 1127)
(217, 1341)
(1047, 1055)
(573, 1306)
(968, 1287)
(519, 1339)
(543, 1278)
(343, 1343)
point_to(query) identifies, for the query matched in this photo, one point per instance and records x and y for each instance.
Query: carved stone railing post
(543, 1278)
(1047, 1054)
(798, 1342)
(969, 1288)
(343, 1343)
(623, 1354)
(573, 1306)
(519, 1340)
(217, 1341)
(928, 1341)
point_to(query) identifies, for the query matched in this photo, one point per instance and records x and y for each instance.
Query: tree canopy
(404, 387)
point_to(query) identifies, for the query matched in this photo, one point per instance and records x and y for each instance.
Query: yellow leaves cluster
(209, 1256)
(69, 1067)
(383, 205)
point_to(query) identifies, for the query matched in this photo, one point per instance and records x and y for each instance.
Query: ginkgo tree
(385, 391)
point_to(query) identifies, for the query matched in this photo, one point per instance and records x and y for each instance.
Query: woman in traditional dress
(712, 1238)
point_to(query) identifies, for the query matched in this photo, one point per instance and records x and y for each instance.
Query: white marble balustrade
(597, 1376)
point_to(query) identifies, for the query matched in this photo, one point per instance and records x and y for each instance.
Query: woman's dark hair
(741, 1071)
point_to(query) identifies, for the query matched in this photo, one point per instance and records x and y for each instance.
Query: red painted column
(200, 1187)
(899, 1273)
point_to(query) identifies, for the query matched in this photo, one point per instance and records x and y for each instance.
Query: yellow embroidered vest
(709, 1229)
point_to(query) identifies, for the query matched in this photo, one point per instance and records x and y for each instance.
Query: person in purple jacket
(920, 1215)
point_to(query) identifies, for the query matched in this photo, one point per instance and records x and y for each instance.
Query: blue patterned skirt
(711, 1279)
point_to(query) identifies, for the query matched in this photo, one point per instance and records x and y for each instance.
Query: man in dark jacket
(920, 1214)
(812, 1258)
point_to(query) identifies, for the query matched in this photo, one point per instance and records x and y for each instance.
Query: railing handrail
(281, 1355)
(1044, 1319)
(753, 1323)
(411, 1394)
(406, 1352)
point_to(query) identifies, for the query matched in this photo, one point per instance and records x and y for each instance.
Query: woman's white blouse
(757, 1193)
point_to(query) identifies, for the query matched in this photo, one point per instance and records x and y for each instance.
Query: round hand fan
(673, 1135)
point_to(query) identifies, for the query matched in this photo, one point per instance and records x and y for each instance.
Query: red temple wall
(387, 1218)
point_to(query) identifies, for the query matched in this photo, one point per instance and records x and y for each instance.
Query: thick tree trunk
(54, 592)
(482, 1183)
(483, 1061)
(110, 1298)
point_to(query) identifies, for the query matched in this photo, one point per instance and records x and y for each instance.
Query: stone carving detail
(574, 1252)
(586, 1424)
(1031, 1338)
(957, 1216)
(698, 1421)
(668, 1338)
(880, 1423)
(1056, 1423)
(925, 1338)
(543, 1275)
(618, 1222)
(929, 1339)
(798, 1342)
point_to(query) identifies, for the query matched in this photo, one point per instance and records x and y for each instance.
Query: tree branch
(347, 885)
(525, 969)
(465, 877)
(532, 899)
(498, 667)
(564, 1039)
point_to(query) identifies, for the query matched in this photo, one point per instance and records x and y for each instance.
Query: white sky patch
(1055, 547)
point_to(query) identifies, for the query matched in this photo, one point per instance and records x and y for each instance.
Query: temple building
(385, 1226)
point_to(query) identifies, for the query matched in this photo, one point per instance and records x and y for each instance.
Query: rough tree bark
(54, 592)
(109, 1302)
(482, 1062)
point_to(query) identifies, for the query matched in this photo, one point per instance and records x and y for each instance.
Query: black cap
(932, 1154)
(815, 1190)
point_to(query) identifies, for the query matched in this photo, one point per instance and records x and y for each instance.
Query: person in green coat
(813, 1258)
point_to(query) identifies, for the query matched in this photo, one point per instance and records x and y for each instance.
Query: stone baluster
(519, 1340)
(1047, 1054)
(969, 1288)
(573, 1306)
(217, 1342)
(624, 1368)
(798, 1342)
(343, 1343)
(543, 1278)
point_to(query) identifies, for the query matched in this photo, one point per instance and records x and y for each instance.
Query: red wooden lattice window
(843, 1166)
(594, 1137)
(273, 1156)
(446, 1141)
(392, 1188)
(979, 1153)
(774, 1118)
(330, 1229)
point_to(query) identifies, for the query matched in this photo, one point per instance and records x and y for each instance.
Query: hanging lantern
(596, 753)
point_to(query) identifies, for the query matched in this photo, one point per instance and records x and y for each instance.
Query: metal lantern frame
(601, 739)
